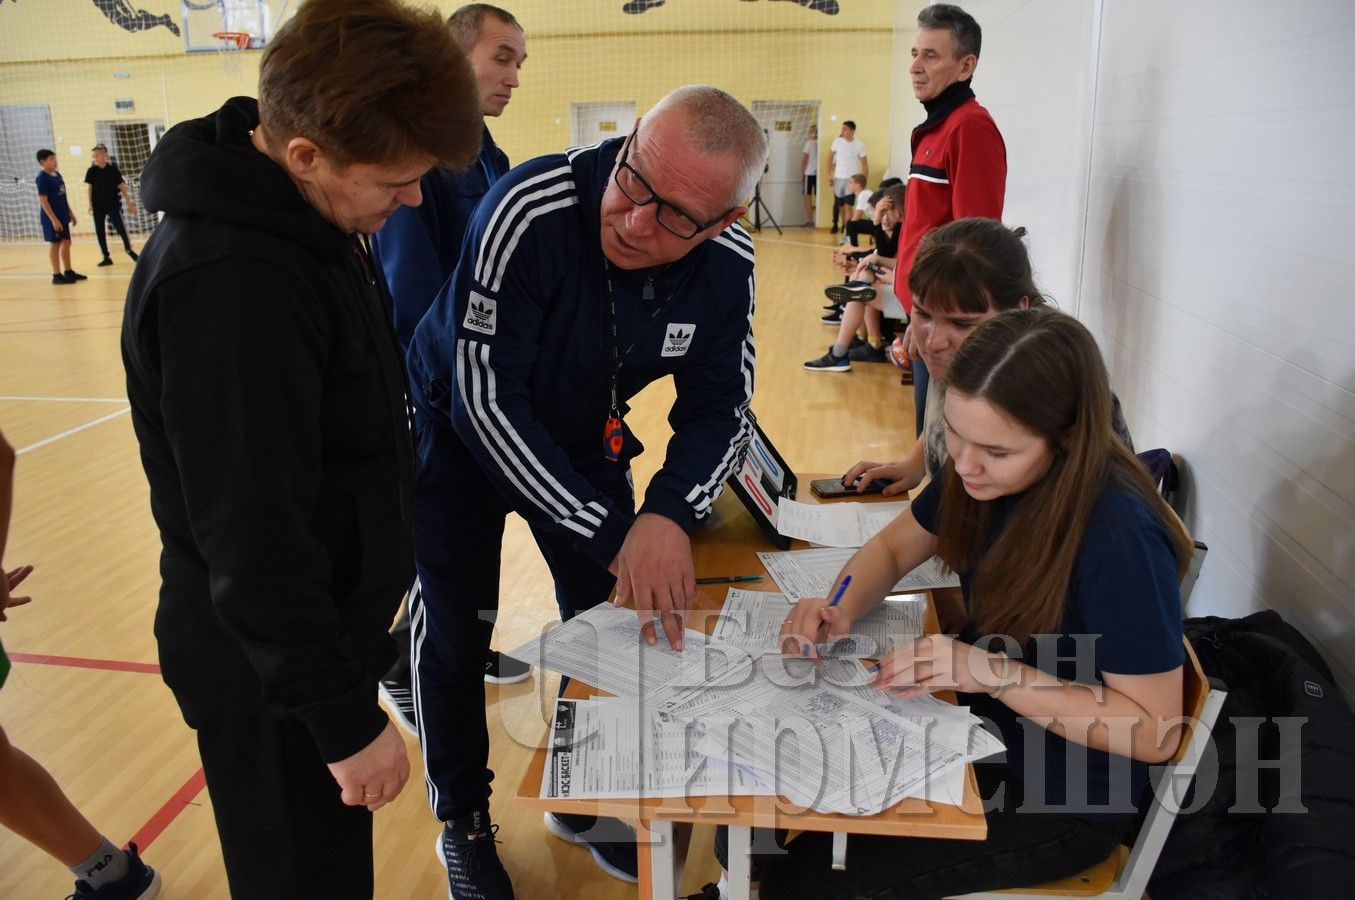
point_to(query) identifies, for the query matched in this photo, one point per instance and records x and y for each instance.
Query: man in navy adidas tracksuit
(583, 278)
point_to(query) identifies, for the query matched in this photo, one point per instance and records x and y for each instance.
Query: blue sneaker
(474, 872)
(617, 857)
(141, 882)
(829, 363)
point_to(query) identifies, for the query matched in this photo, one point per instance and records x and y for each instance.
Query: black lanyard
(613, 433)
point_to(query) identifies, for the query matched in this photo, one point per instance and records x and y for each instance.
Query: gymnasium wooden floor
(84, 696)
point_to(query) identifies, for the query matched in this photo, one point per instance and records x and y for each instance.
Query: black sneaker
(140, 883)
(106, 261)
(856, 290)
(832, 318)
(72, 275)
(616, 857)
(132, 254)
(829, 363)
(399, 696)
(709, 891)
(866, 353)
(500, 668)
(828, 7)
(62, 279)
(466, 848)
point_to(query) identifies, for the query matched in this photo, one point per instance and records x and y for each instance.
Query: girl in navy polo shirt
(1069, 563)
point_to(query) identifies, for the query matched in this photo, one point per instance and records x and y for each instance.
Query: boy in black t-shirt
(105, 183)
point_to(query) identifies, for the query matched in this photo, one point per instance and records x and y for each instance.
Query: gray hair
(965, 34)
(717, 123)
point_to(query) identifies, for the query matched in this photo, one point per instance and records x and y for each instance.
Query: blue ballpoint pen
(842, 589)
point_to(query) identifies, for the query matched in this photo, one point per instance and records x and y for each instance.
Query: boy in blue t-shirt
(57, 219)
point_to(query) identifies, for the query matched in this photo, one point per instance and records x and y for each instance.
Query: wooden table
(727, 545)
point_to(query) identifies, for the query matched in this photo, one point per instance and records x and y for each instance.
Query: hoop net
(232, 42)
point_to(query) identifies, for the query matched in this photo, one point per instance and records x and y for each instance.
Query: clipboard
(760, 480)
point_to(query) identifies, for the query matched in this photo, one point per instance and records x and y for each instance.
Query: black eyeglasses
(638, 191)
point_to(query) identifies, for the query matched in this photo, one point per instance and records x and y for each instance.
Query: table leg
(657, 860)
(740, 862)
(839, 851)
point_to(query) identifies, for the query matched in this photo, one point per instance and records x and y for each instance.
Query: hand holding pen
(811, 619)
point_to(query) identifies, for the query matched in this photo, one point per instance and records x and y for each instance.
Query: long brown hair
(1043, 369)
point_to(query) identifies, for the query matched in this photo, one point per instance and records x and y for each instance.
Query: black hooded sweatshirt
(268, 397)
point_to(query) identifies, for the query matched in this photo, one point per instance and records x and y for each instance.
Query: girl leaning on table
(1069, 563)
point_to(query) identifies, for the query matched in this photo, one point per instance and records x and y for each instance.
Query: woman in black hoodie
(268, 397)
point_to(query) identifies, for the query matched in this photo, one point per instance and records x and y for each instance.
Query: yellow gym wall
(68, 55)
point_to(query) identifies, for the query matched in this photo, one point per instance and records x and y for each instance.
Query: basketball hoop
(232, 42)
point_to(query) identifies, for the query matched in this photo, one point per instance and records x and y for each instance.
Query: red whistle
(613, 436)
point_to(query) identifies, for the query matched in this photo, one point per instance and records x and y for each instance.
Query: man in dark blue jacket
(583, 277)
(419, 245)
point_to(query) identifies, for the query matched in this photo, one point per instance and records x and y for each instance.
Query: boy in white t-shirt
(811, 167)
(848, 158)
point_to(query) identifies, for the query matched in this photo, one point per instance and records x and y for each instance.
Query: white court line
(71, 399)
(780, 240)
(76, 429)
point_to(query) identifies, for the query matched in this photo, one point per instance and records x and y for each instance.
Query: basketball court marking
(82, 662)
(76, 430)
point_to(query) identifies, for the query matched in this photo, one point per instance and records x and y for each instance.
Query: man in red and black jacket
(959, 165)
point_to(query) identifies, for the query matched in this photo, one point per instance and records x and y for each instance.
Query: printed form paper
(835, 524)
(751, 620)
(813, 572)
(602, 647)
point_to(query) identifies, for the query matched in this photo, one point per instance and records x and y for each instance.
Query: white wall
(1186, 171)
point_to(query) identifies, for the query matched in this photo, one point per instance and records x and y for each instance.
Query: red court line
(156, 825)
(80, 662)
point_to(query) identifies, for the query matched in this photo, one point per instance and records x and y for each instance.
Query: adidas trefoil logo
(677, 338)
(481, 313)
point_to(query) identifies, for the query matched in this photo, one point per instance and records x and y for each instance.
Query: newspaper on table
(835, 524)
(751, 620)
(813, 572)
(604, 747)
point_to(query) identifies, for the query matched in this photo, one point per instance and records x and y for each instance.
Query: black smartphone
(829, 488)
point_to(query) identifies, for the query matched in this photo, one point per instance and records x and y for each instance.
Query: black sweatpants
(284, 832)
(114, 216)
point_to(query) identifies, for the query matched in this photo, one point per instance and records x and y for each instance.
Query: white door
(593, 122)
(787, 125)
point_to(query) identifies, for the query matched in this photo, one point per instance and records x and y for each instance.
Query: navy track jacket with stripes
(517, 352)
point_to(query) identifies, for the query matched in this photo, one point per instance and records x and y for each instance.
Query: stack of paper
(714, 719)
